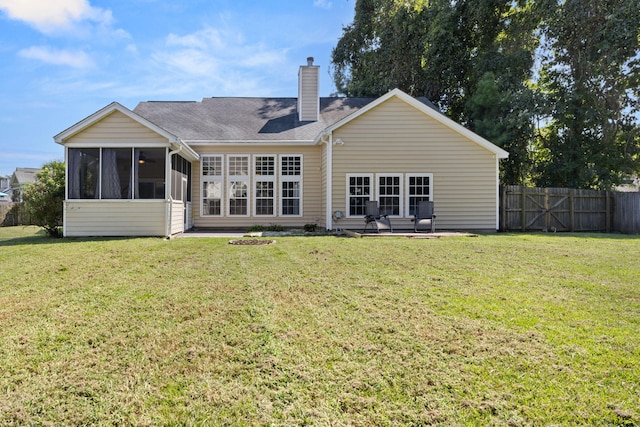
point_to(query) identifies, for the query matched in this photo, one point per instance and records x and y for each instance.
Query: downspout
(169, 204)
(329, 206)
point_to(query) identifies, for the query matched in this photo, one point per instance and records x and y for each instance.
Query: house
(166, 167)
(4, 182)
(20, 178)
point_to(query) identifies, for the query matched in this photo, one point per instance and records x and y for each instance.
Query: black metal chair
(375, 217)
(424, 219)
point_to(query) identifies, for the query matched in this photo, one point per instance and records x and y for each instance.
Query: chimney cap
(310, 60)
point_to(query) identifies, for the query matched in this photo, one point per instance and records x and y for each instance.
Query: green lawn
(503, 329)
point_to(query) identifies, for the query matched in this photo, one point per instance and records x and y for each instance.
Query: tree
(382, 49)
(590, 81)
(448, 51)
(501, 67)
(44, 198)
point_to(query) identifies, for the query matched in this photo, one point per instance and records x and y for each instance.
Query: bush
(44, 198)
(310, 228)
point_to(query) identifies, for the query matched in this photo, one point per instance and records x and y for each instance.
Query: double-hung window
(291, 185)
(419, 188)
(238, 184)
(212, 176)
(359, 192)
(390, 194)
(264, 185)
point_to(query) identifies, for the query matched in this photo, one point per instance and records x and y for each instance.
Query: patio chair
(375, 217)
(424, 219)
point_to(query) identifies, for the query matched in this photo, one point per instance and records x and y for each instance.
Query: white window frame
(372, 189)
(408, 187)
(212, 178)
(265, 178)
(246, 179)
(290, 178)
(400, 195)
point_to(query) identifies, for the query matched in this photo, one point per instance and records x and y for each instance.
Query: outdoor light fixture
(141, 159)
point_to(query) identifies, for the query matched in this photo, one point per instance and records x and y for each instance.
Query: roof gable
(106, 111)
(427, 110)
(175, 142)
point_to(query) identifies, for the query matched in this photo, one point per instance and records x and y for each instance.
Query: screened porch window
(84, 173)
(112, 173)
(116, 173)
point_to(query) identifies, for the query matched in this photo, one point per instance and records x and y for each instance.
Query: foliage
(44, 198)
(270, 227)
(590, 79)
(555, 83)
(496, 330)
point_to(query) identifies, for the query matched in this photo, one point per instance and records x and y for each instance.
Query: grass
(504, 329)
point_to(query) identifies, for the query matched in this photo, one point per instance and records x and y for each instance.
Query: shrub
(44, 198)
(310, 228)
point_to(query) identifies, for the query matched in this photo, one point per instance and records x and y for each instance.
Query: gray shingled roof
(245, 119)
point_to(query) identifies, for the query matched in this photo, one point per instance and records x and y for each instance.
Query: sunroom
(125, 177)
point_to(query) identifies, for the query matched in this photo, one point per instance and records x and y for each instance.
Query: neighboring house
(20, 178)
(4, 183)
(236, 162)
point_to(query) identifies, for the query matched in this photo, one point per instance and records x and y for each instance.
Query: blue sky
(62, 60)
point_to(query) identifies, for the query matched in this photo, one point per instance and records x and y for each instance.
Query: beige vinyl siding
(117, 128)
(177, 217)
(311, 187)
(393, 138)
(308, 94)
(115, 218)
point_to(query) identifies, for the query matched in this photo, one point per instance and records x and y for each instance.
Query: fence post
(547, 208)
(572, 211)
(608, 213)
(523, 211)
(503, 208)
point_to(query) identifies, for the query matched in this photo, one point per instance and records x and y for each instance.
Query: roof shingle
(245, 119)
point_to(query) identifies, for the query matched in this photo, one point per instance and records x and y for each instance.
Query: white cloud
(218, 59)
(324, 4)
(74, 59)
(49, 16)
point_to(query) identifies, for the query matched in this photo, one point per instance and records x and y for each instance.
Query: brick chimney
(308, 92)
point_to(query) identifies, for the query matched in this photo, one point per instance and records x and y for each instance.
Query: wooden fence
(565, 209)
(626, 213)
(12, 214)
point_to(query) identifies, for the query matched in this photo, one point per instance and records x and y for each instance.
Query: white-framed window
(291, 185)
(212, 183)
(264, 174)
(419, 188)
(238, 185)
(359, 192)
(389, 194)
